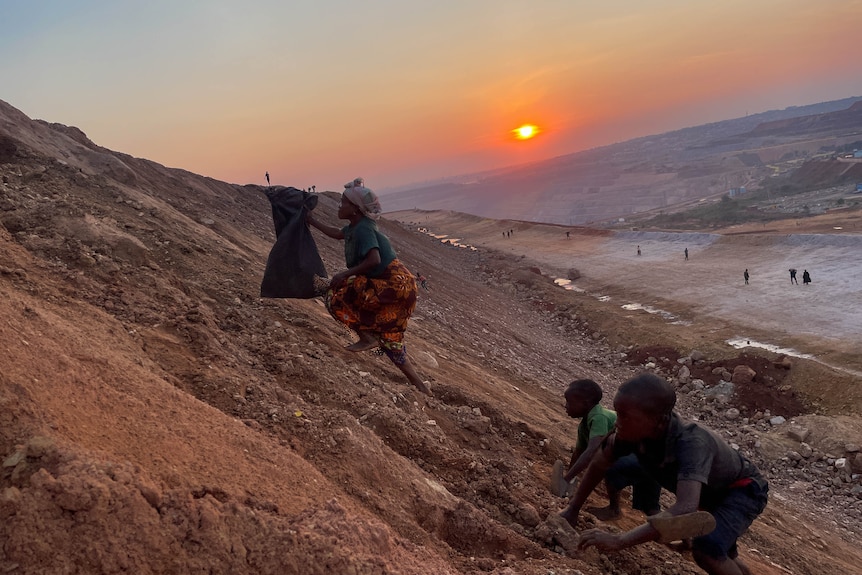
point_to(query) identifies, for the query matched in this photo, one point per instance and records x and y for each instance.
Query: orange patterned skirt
(381, 305)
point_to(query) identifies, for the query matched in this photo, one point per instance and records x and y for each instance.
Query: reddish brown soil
(156, 416)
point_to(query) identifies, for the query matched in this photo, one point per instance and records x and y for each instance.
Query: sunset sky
(321, 91)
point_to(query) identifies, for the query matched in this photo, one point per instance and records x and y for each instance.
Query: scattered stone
(798, 433)
(720, 392)
(784, 362)
(684, 375)
(742, 375)
(428, 360)
(731, 414)
(777, 420)
(529, 516)
(696, 355)
(480, 424)
(563, 533)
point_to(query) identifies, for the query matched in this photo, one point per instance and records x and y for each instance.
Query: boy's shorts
(733, 515)
(645, 490)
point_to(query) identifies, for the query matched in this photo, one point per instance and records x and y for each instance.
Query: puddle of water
(743, 342)
(444, 238)
(568, 285)
(660, 312)
(457, 243)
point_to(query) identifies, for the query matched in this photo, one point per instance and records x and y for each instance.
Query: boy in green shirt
(583, 398)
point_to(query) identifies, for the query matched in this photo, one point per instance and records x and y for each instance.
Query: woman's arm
(330, 231)
(368, 263)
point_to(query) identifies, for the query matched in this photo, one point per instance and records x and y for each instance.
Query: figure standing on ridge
(793, 279)
(745, 275)
(806, 277)
(639, 250)
(686, 254)
(376, 295)
(267, 178)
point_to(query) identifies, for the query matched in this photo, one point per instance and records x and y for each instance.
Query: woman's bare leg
(407, 369)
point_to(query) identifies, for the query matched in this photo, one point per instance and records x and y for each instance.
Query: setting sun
(526, 132)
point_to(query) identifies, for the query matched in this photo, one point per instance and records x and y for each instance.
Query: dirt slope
(156, 416)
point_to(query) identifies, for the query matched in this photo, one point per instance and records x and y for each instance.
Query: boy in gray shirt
(686, 459)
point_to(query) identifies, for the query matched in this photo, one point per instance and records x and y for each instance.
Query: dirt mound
(157, 416)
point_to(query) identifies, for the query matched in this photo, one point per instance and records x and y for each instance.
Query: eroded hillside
(157, 416)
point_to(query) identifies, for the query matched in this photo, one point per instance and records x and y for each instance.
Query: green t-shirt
(598, 422)
(361, 239)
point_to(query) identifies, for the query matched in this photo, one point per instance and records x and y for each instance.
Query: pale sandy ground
(823, 319)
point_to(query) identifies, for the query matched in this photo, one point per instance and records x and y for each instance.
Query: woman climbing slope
(376, 295)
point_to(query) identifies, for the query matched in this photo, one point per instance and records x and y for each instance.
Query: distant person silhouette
(267, 178)
(793, 279)
(639, 250)
(745, 275)
(686, 254)
(806, 277)
(567, 235)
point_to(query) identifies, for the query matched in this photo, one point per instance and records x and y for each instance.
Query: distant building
(858, 188)
(857, 154)
(736, 192)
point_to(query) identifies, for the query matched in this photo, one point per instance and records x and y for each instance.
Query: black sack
(293, 260)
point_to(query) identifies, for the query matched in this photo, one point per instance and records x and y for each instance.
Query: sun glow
(526, 132)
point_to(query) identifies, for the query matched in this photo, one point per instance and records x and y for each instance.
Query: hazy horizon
(317, 93)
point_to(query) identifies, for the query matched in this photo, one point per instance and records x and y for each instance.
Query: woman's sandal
(366, 341)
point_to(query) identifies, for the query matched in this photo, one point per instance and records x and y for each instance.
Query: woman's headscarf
(363, 198)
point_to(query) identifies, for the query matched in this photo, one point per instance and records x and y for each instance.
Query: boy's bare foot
(366, 341)
(605, 513)
(571, 518)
